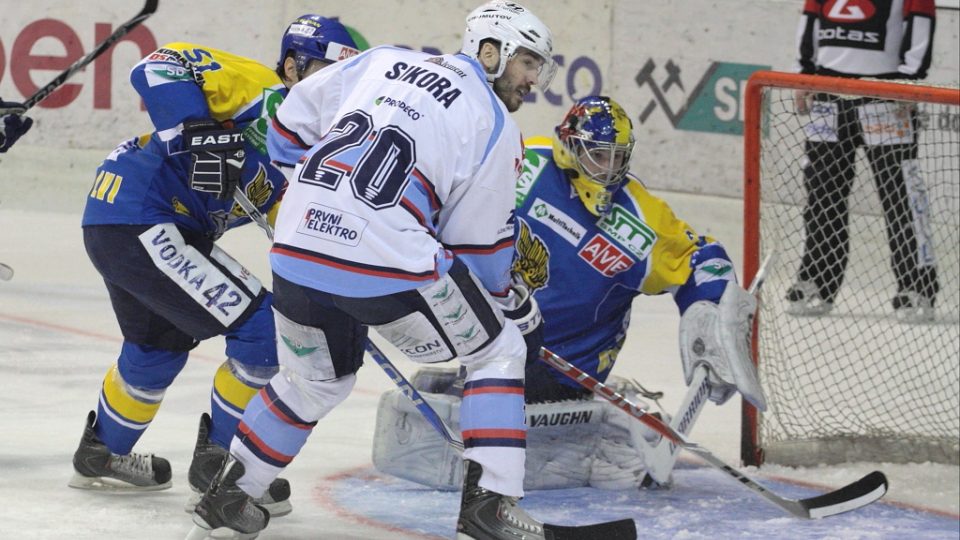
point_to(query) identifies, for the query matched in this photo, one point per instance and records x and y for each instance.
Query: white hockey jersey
(403, 161)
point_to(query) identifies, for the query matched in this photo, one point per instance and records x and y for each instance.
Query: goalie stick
(623, 529)
(148, 9)
(850, 497)
(660, 457)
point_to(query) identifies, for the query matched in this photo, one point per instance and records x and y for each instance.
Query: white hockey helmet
(513, 26)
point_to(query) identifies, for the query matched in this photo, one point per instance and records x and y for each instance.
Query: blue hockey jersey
(146, 179)
(585, 271)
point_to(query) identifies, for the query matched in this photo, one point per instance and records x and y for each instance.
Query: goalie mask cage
(856, 383)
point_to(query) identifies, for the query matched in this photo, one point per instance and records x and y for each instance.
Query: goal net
(856, 185)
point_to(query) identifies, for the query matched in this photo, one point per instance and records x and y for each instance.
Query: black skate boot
(226, 511)
(486, 515)
(208, 457)
(95, 467)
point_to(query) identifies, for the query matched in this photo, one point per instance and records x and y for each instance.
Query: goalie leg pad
(562, 440)
(619, 463)
(405, 445)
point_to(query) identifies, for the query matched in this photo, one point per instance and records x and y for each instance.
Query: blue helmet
(313, 37)
(593, 143)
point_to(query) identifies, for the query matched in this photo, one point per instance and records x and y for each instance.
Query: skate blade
(100, 483)
(277, 509)
(202, 531)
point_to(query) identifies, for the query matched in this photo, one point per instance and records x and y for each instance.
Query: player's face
(518, 79)
(602, 164)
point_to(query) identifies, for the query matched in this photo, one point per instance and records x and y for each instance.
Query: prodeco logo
(715, 105)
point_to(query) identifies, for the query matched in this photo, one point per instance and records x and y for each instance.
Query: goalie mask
(313, 37)
(593, 144)
(513, 27)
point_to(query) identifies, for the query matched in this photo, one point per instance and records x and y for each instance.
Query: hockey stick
(148, 9)
(252, 212)
(622, 529)
(850, 497)
(661, 457)
(408, 390)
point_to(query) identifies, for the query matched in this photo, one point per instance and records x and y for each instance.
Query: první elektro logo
(389, 101)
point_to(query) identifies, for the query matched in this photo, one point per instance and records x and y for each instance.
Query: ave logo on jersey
(605, 257)
(849, 10)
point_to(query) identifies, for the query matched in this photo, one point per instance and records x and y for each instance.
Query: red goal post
(759, 122)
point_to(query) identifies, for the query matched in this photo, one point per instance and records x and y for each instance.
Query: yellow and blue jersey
(146, 179)
(585, 271)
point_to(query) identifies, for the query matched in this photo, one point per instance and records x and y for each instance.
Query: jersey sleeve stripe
(409, 206)
(459, 249)
(288, 134)
(429, 190)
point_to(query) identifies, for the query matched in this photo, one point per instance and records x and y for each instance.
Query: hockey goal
(856, 382)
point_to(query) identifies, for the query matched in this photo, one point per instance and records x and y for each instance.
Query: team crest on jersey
(179, 207)
(605, 257)
(258, 191)
(533, 257)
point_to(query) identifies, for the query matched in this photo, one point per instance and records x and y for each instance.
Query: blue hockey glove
(12, 124)
(217, 157)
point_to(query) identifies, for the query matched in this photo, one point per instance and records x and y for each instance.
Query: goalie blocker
(570, 444)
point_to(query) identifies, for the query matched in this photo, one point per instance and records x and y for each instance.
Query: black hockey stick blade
(860, 493)
(148, 9)
(624, 529)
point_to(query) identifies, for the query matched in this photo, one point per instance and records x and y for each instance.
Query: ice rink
(58, 336)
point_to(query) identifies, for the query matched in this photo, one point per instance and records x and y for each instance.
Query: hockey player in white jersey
(399, 215)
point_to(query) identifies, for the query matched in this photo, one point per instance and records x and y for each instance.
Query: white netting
(857, 383)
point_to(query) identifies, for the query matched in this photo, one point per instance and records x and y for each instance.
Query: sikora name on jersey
(438, 86)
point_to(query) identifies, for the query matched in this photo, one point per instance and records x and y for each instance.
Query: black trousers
(828, 179)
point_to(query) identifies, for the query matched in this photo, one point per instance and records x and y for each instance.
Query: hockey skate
(208, 457)
(226, 511)
(911, 307)
(805, 300)
(486, 515)
(96, 468)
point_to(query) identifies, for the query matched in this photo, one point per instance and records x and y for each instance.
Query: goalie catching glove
(217, 156)
(718, 336)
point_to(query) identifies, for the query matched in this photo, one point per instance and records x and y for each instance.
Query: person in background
(885, 39)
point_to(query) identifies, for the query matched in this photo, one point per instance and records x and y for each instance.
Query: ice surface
(58, 337)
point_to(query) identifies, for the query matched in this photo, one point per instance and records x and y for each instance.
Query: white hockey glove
(718, 336)
(217, 157)
(522, 308)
